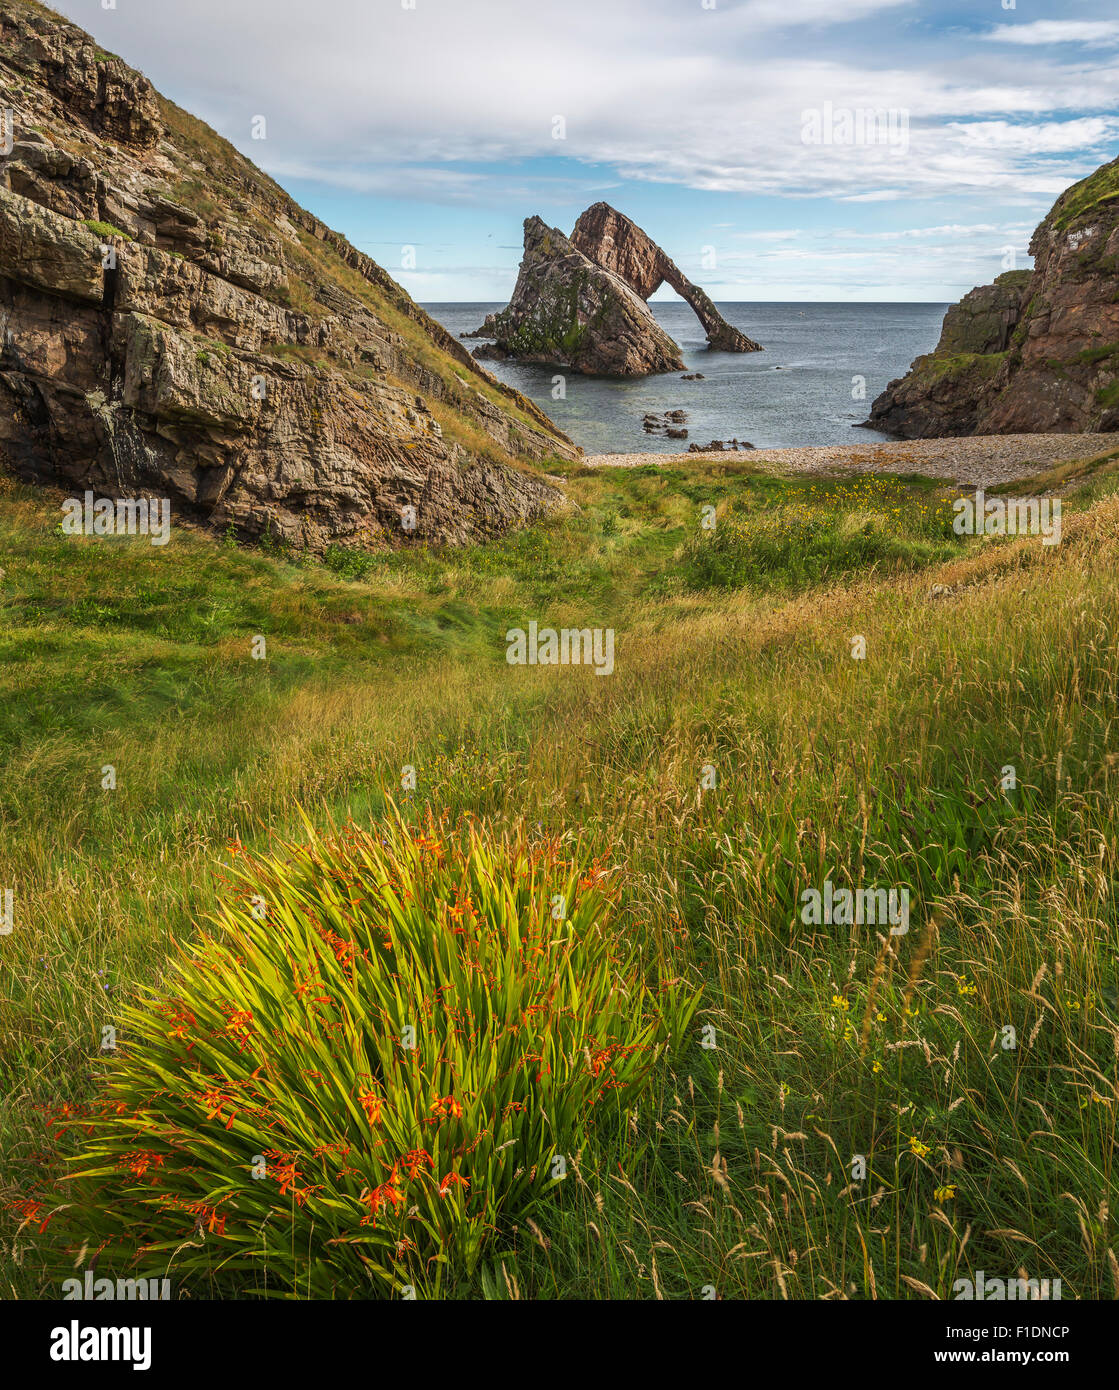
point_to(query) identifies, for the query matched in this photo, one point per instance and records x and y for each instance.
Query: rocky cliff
(1037, 351)
(580, 302)
(569, 312)
(613, 241)
(172, 324)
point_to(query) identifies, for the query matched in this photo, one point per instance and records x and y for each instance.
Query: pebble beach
(976, 460)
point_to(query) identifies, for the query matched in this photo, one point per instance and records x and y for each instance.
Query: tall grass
(814, 1045)
(381, 1061)
(873, 524)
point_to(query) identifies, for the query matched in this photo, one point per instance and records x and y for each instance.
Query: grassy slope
(883, 770)
(1098, 189)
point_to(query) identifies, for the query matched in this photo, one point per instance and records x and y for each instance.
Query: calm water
(818, 347)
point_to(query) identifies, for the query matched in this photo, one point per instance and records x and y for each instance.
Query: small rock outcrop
(1037, 351)
(718, 446)
(945, 392)
(580, 302)
(173, 325)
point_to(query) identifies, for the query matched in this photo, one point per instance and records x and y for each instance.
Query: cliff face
(579, 302)
(1037, 351)
(173, 325)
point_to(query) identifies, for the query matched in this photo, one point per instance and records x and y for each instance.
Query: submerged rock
(718, 446)
(652, 423)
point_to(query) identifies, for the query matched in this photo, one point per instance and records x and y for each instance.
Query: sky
(780, 150)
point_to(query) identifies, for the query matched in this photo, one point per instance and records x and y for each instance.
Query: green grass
(959, 363)
(106, 229)
(417, 1027)
(871, 525)
(1087, 196)
(1092, 356)
(828, 1042)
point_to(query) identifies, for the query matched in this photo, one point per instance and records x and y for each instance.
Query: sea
(822, 366)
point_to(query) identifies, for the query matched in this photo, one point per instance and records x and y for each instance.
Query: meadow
(847, 1113)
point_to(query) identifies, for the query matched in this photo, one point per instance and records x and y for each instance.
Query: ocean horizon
(822, 365)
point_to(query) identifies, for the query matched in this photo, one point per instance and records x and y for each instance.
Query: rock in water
(173, 325)
(566, 311)
(1037, 351)
(613, 241)
(579, 302)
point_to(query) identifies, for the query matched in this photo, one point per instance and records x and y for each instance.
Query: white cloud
(1051, 137)
(787, 14)
(1042, 32)
(409, 103)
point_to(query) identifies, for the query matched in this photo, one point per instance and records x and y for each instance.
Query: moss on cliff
(958, 364)
(1086, 196)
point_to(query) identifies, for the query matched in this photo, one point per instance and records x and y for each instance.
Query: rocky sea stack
(580, 301)
(1037, 352)
(172, 324)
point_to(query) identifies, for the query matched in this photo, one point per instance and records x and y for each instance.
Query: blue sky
(739, 133)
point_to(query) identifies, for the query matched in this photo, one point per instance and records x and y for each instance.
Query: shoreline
(981, 460)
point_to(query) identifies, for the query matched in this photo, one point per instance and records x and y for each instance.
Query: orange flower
(287, 1175)
(240, 1026)
(213, 1102)
(140, 1161)
(183, 1019)
(414, 1160)
(372, 1104)
(450, 1180)
(29, 1209)
(387, 1192)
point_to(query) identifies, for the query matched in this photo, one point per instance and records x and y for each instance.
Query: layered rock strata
(172, 324)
